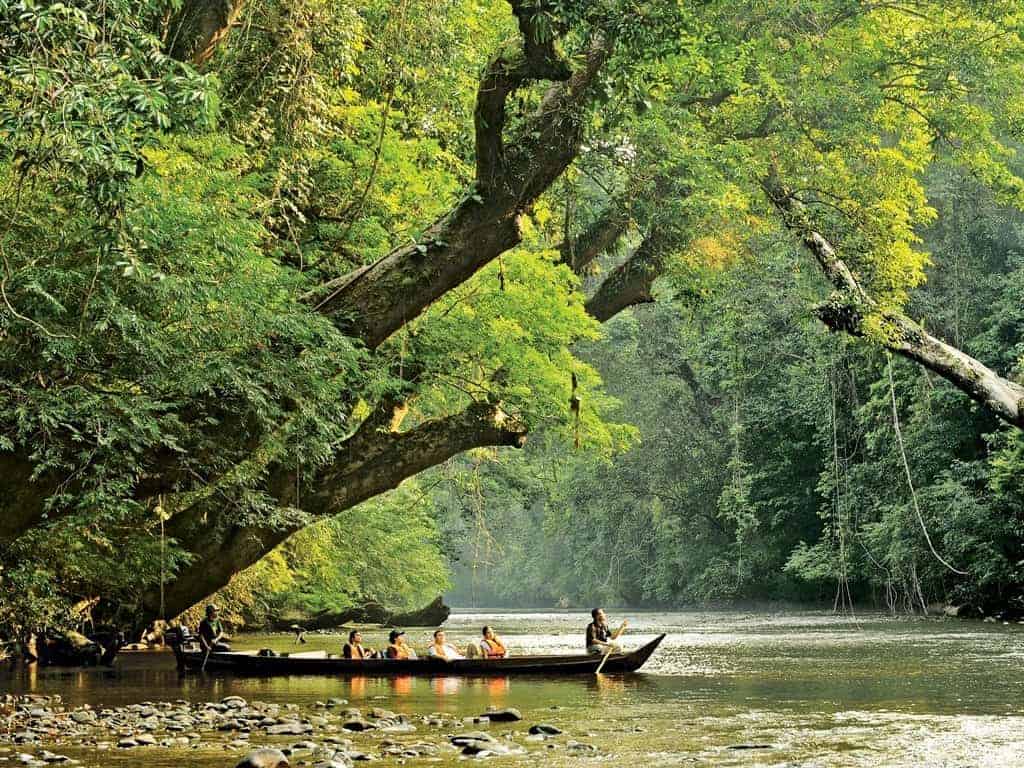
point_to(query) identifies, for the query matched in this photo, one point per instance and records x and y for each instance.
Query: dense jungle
(307, 303)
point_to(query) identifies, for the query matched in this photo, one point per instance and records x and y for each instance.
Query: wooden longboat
(320, 663)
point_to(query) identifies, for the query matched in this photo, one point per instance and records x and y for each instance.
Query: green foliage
(767, 465)
(384, 551)
(161, 228)
(84, 87)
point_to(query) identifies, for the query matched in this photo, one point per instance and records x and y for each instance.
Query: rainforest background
(286, 285)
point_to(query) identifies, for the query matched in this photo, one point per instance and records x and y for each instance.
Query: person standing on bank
(211, 631)
(600, 639)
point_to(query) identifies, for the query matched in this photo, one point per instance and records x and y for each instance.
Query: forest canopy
(263, 263)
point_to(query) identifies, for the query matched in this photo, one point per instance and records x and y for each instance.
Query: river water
(804, 688)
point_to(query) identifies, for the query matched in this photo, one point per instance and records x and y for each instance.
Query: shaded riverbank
(818, 689)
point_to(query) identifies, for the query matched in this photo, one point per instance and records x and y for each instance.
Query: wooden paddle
(611, 647)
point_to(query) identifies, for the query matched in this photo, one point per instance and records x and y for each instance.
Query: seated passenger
(354, 647)
(491, 647)
(440, 649)
(211, 631)
(398, 648)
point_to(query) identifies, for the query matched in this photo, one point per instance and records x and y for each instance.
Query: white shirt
(448, 651)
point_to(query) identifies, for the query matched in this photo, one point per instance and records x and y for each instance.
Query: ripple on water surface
(725, 689)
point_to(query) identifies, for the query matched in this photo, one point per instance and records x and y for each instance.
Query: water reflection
(401, 685)
(821, 689)
(446, 686)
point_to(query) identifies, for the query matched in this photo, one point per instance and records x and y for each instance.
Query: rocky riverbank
(37, 731)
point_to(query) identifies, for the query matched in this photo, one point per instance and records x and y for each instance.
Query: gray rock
(127, 743)
(84, 716)
(50, 757)
(490, 750)
(579, 746)
(289, 729)
(421, 749)
(507, 715)
(362, 757)
(264, 758)
(545, 729)
(337, 702)
(338, 761)
(234, 702)
(461, 739)
(145, 740)
(399, 728)
(357, 725)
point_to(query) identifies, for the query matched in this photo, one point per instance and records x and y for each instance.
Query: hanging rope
(163, 556)
(844, 598)
(910, 481)
(574, 406)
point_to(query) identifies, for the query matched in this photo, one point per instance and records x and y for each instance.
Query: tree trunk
(600, 236)
(198, 27)
(846, 308)
(631, 282)
(368, 464)
(376, 300)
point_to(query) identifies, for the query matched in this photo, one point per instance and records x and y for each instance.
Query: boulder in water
(507, 715)
(264, 758)
(544, 729)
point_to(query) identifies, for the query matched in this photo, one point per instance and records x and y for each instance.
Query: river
(804, 688)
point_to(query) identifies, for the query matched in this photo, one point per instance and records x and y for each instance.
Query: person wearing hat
(211, 631)
(397, 647)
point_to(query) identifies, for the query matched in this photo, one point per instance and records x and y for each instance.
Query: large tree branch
(369, 463)
(374, 301)
(850, 304)
(630, 283)
(533, 58)
(578, 252)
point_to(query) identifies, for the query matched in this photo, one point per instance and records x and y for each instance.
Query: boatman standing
(211, 631)
(599, 637)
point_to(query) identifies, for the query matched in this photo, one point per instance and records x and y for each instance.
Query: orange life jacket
(355, 651)
(398, 651)
(495, 650)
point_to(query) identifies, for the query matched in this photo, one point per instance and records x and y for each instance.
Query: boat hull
(244, 663)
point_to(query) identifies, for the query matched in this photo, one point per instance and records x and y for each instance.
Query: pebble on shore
(37, 724)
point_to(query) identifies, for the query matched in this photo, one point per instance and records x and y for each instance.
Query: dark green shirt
(209, 631)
